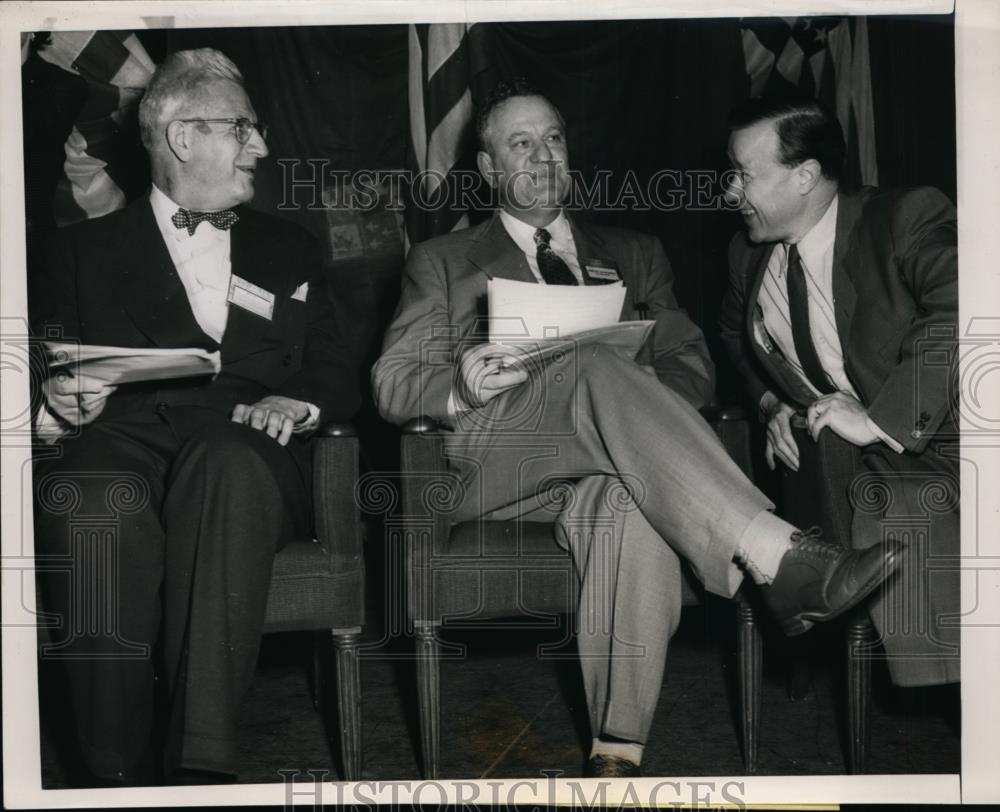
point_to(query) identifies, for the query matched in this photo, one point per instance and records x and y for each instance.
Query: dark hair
(502, 92)
(806, 129)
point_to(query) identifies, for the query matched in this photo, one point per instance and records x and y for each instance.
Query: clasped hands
(842, 413)
(80, 399)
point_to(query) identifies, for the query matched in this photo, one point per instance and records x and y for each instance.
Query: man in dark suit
(204, 478)
(652, 482)
(841, 316)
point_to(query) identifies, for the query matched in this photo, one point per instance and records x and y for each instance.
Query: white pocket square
(301, 292)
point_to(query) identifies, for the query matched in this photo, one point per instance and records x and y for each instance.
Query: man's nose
(256, 145)
(542, 152)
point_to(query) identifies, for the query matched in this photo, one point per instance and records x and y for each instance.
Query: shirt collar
(523, 234)
(818, 241)
(164, 209)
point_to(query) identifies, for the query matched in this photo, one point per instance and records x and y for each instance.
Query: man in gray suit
(626, 431)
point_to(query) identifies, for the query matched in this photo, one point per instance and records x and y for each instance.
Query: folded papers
(117, 365)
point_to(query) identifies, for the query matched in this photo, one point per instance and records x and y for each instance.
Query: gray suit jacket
(443, 308)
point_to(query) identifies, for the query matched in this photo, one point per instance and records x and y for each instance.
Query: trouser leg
(234, 497)
(597, 412)
(630, 604)
(100, 545)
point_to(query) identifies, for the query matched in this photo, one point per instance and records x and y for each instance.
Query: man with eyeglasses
(216, 469)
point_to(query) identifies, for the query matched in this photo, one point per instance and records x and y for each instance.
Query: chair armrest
(719, 414)
(421, 425)
(336, 514)
(334, 429)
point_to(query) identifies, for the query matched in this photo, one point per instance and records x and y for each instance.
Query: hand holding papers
(531, 324)
(82, 377)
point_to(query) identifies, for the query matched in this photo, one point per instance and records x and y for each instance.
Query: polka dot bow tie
(222, 220)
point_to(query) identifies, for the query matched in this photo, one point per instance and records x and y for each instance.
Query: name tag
(248, 296)
(603, 269)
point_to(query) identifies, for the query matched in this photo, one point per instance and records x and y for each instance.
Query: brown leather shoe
(604, 766)
(818, 581)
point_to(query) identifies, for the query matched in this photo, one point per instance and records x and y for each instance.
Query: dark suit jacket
(895, 288)
(443, 298)
(111, 281)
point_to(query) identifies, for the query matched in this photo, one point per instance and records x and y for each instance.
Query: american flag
(117, 69)
(444, 58)
(827, 57)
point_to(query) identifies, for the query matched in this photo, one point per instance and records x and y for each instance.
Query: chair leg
(860, 638)
(428, 696)
(320, 642)
(349, 701)
(749, 655)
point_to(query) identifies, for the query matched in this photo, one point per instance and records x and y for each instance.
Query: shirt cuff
(885, 438)
(310, 423)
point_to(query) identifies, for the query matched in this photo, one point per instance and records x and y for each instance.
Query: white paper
(118, 365)
(527, 310)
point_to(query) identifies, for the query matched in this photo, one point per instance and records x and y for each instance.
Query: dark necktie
(798, 312)
(222, 220)
(554, 271)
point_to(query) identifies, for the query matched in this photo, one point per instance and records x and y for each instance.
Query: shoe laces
(811, 541)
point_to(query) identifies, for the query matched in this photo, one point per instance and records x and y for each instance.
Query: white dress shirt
(816, 256)
(202, 263)
(562, 243)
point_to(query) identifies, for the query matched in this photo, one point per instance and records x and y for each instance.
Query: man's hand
(489, 370)
(76, 399)
(780, 441)
(844, 415)
(276, 415)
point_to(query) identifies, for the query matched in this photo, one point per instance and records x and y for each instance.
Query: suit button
(916, 434)
(162, 406)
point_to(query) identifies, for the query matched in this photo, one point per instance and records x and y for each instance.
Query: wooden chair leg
(860, 638)
(348, 671)
(428, 697)
(749, 655)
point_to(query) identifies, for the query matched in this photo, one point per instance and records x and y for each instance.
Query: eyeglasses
(242, 127)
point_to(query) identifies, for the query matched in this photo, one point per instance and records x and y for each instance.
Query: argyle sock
(630, 751)
(762, 546)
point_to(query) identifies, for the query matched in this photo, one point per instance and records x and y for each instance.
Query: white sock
(630, 751)
(762, 546)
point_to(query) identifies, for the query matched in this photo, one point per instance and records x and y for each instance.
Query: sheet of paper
(118, 365)
(525, 310)
(627, 336)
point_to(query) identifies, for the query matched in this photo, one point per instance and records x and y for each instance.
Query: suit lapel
(149, 289)
(844, 295)
(252, 258)
(757, 262)
(496, 254)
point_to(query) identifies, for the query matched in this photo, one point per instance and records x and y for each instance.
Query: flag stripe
(440, 110)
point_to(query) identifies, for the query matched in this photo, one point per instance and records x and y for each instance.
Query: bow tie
(222, 220)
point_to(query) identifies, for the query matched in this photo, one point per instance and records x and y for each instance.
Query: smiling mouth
(250, 170)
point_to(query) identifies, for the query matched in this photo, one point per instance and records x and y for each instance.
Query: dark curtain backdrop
(638, 97)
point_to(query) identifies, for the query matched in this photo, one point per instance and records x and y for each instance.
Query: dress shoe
(604, 766)
(818, 581)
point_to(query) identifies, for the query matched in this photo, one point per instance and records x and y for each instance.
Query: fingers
(504, 379)
(274, 423)
(769, 454)
(782, 441)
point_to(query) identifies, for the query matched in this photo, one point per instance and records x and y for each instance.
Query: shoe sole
(800, 624)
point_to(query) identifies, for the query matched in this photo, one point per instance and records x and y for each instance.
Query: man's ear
(809, 173)
(485, 164)
(178, 139)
